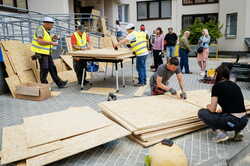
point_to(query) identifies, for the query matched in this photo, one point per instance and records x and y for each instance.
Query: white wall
(111, 11)
(234, 6)
(49, 6)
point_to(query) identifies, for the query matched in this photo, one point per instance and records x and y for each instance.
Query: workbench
(108, 55)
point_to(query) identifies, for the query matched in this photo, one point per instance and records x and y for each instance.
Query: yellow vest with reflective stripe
(81, 41)
(42, 49)
(140, 45)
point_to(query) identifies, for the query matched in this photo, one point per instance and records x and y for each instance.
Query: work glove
(183, 95)
(172, 91)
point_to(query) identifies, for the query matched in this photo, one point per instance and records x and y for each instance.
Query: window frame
(198, 3)
(148, 10)
(198, 15)
(123, 6)
(11, 8)
(228, 36)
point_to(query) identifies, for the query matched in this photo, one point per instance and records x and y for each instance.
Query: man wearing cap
(138, 44)
(42, 44)
(80, 40)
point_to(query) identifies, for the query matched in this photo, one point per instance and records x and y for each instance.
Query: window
(231, 25)
(148, 10)
(10, 5)
(196, 2)
(188, 20)
(123, 13)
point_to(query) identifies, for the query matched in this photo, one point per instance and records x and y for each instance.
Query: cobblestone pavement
(198, 146)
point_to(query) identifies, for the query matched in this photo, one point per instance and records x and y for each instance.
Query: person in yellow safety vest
(138, 41)
(80, 40)
(41, 45)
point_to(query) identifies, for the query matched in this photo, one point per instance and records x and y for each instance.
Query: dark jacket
(171, 39)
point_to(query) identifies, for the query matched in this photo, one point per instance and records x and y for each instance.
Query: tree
(214, 29)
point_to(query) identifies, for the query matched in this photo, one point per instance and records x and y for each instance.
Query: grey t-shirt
(164, 73)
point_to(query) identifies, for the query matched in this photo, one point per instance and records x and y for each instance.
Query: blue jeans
(141, 69)
(183, 53)
(170, 51)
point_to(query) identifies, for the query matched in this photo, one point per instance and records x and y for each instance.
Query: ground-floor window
(123, 13)
(8, 4)
(188, 20)
(195, 2)
(149, 10)
(231, 25)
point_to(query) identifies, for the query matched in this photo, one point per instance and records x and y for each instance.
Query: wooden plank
(68, 43)
(80, 143)
(103, 26)
(27, 76)
(14, 145)
(25, 89)
(107, 42)
(101, 91)
(153, 111)
(68, 75)
(164, 132)
(96, 12)
(103, 53)
(21, 163)
(68, 60)
(7, 64)
(53, 125)
(55, 93)
(141, 90)
(12, 82)
(35, 69)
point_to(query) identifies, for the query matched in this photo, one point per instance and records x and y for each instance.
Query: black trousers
(79, 65)
(157, 58)
(47, 66)
(223, 121)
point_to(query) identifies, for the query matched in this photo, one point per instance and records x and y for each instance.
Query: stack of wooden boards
(44, 139)
(21, 69)
(151, 119)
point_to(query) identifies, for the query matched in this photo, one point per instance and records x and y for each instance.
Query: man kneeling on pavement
(80, 40)
(159, 80)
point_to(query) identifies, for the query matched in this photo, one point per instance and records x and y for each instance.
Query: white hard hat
(48, 19)
(130, 26)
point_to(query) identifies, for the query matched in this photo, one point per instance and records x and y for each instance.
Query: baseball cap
(130, 26)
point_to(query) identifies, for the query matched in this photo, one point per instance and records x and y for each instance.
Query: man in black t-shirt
(232, 115)
(170, 42)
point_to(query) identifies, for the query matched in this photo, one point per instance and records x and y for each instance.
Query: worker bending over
(159, 80)
(42, 46)
(139, 45)
(80, 40)
(232, 115)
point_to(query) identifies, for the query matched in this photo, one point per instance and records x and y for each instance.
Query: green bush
(214, 29)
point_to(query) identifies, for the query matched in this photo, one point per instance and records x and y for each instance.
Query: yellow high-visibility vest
(81, 41)
(42, 49)
(140, 45)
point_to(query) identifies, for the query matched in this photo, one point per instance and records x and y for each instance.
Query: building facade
(233, 15)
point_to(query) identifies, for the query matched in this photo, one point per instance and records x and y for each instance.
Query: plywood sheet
(108, 53)
(141, 90)
(12, 82)
(101, 91)
(55, 93)
(153, 111)
(51, 127)
(14, 145)
(68, 60)
(81, 143)
(68, 42)
(68, 75)
(35, 69)
(7, 64)
(107, 42)
(165, 132)
(27, 76)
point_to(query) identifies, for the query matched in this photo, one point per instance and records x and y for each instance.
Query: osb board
(14, 145)
(103, 26)
(149, 112)
(101, 91)
(68, 60)
(7, 64)
(103, 53)
(27, 76)
(81, 143)
(96, 12)
(21, 163)
(34, 67)
(55, 93)
(114, 40)
(68, 43)
(107, 42)
(59, 65)
(155, 141)
(165, 132)
(52, 127)
(12, 82)
(141, 90)
(68, 75)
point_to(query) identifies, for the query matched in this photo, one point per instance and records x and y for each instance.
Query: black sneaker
(138, 85)
(85, 82)
(64, 83)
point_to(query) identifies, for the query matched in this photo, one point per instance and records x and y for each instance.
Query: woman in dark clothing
(232, 115)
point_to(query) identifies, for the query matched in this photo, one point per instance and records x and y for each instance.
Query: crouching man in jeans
(159, 81)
